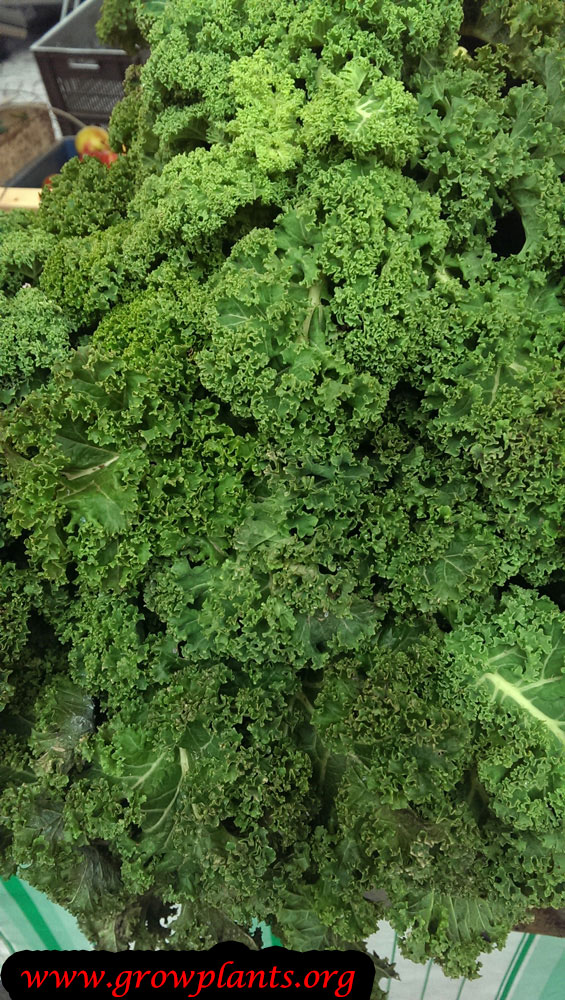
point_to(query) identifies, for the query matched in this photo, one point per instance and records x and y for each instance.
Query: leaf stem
(301, 697)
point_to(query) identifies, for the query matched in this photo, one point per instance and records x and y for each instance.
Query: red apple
(90, 138)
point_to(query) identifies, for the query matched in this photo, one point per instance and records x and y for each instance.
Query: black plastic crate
(33, 175)
(80, 75)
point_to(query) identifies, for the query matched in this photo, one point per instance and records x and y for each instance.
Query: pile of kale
(282, 629)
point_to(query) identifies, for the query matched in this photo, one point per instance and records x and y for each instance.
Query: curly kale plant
(283, 587)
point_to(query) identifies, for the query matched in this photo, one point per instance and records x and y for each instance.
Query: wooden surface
(11, 197)
(550, 922)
